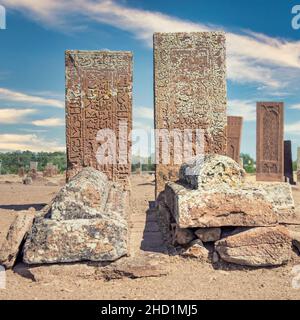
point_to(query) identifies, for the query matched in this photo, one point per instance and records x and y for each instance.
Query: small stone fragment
(196, 250)
(183, 236)
(208, 234)
(27, 180)
(14, 238)
(83, 197)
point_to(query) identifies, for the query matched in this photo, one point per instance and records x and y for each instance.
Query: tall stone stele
(234, 136)
(189, 93)
(288, 162)
(99, 96)
(269, 144)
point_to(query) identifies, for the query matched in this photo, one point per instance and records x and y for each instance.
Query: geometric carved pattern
(269, 144)
(98, 96)
(190, 91)
(234, 133)
(288, 162)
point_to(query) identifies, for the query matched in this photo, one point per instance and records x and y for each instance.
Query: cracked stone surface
(258, 247)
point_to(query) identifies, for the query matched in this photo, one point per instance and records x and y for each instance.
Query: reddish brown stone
(21, 172)
(269, 145)
(190, 93)
(98, 96)
(234, 134)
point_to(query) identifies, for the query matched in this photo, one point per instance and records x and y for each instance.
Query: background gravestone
(234, 134)
(288, 162)
(98, 96)
(269, 144)
(189, 91)
(33, 165)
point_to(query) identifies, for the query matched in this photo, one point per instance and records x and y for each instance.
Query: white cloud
(252, 57)
(242, 108)
(143, 113)
(292, 128)
(295, 106)
(15, 96)
(11, 115)
(50, 122)
(23, 142)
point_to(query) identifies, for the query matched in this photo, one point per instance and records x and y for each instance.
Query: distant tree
(249, 163)
(295, 165)
(12, 161)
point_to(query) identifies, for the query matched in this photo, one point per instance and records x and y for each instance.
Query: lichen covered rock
(88, 220)
(213, 208)
(258, 247)
(54, 241)
(212, 192)
(14, 238)
(83, 197)
(212, 171)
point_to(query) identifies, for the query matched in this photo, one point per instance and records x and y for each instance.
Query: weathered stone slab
(216, 208)
(190, 93)
(234, 136)
(99, 96)
(212, 171)
(83, 197)
(196, 250)
(52, 241)
(269, 145)
(14, 238)
(213, 192)
(258, 247)
(288, 162)
(280, 195)
(133, 268)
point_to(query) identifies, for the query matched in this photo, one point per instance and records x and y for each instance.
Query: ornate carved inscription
(190, 91)
(269, 144)
(98, 96)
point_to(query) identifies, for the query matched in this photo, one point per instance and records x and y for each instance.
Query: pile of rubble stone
(213, 203)
(87, 221)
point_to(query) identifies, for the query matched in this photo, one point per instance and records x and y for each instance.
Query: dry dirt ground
(186, 279)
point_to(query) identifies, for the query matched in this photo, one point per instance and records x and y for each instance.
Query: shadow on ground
(20, 207)
(152, 237)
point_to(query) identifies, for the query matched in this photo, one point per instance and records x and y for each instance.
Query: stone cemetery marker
(288, 162)
(269, 144)
(189, 93)
(99, 97)
(234, 135)
(298, 165)
(33, 165)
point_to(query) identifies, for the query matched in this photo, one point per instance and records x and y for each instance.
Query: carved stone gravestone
(234, 134)
(288, 162)
(33, 165)
(189, 93)
(99, 112)
(269, 144)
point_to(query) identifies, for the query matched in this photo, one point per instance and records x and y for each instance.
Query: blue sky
(263, 59)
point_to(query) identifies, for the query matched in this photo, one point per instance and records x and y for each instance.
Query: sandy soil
(186, 279)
